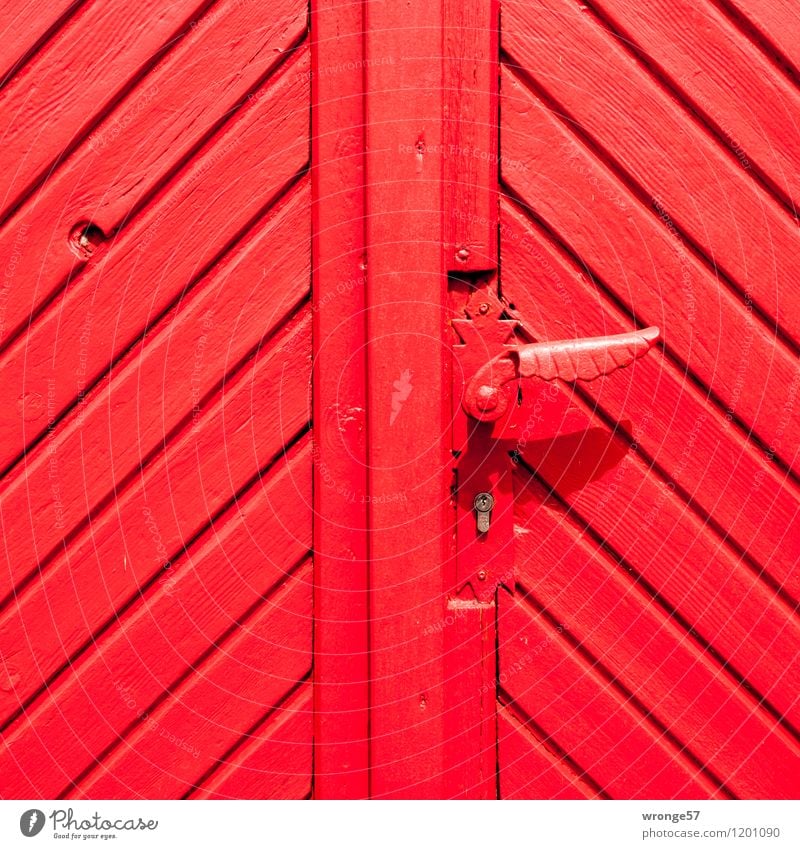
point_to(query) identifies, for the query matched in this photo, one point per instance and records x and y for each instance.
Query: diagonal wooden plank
(529, 770)
(26, 26)
(683, 686)
(574, 706)
(139, 143)
(76, 76)
(777, 26)
(613, 491)
(727, 478)
(636, 125)
(129, 543)
(153, 646)
(272, 763)
(187, 228)
(724, 78)
(158, 385)
(248, 674)
(653, 273)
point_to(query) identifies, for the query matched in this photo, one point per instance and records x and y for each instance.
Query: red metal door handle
(569, 360)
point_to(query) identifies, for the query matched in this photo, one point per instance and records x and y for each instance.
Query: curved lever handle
(569, 360)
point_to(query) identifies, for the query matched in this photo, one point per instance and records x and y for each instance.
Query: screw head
(483, 309)
(462, 255)
(487, 399)
(482, 575)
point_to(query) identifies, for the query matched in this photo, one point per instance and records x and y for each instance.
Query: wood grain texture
(530, 770)
(646, 523)
(150, 521)
(469, 133)
(469, 150)
(272, 762)
(24, 26)
(724, 78)
(777, 23)
(160, 383)
(197, 86)
(664, 533)
(652, 272)
(341, 567)
(740, 229)
(161, 640)
(155, 261)
(647, 653)
(666, 415)
(407, 396)
(163, 630)
(54, 98)
(571, 702)
(251, 673)
(157, 511)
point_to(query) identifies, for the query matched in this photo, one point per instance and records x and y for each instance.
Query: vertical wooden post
(418, 93)
(472, 165)
(471, 169)
(341, 670)
(411, 520)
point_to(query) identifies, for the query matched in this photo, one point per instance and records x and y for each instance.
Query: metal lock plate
(483, 504)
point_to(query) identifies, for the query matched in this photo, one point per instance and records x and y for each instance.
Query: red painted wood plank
(470, 721)
(126, 546)
(215, 706)
(75, 77)
(611, 489)
(529, 771)
(273, 763)
(777, 22)
(725, 77)
(727, 478)
(156, 643)
(721, 723)
(469, 212)
(575, 707)
(341, 580)
(709, 196)
(652, 272)
(23, 27)
(202, 212)
(408, 402)
(469, 135)
(162, 381)
(135, 147)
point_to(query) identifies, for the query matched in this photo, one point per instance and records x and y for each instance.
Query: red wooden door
(650, 648)
(251, 271)
(627, 625)
(156, 626)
